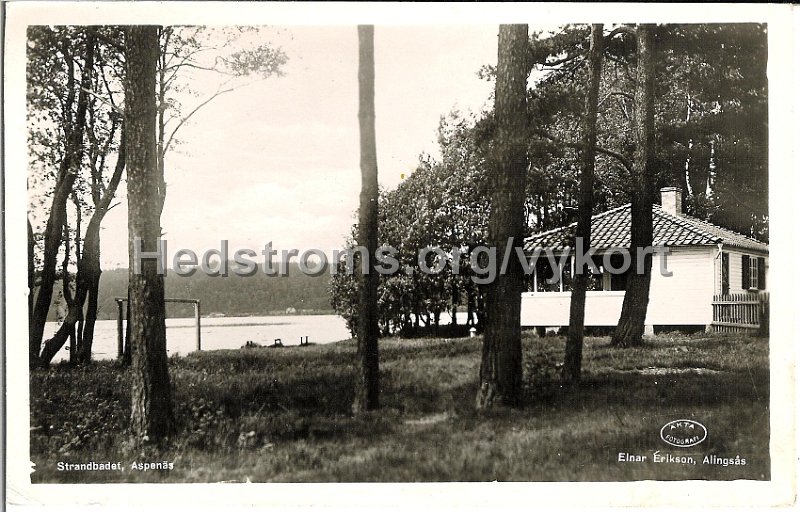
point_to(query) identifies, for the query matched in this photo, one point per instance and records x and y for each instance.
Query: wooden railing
(741, 312)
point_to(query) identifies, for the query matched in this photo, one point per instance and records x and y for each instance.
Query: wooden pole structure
(120, 337)
(197, 323)
(120, 333)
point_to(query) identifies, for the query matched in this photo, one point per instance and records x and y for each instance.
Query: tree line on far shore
(234, 295)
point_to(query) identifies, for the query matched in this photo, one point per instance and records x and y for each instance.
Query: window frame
(753, 263)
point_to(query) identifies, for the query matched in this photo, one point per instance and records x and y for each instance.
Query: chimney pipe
(671, 201)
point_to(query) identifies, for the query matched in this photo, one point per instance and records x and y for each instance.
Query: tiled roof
(612, 229)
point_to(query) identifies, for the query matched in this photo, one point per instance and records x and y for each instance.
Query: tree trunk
(67, 173)
(85, 352)
(630, 328)
(90, 269)
(368, 381)
(87, 280)
(90, 278)
(151, 415)
(501, 362)
(577, 306)
(66, 331)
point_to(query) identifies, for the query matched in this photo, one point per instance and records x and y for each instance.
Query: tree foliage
(440, 208)
(716, 153)
(75, 130)
(710, 118)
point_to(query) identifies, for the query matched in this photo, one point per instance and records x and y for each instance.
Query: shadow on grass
(264, 404)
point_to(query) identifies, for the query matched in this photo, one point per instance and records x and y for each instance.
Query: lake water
(223, 333)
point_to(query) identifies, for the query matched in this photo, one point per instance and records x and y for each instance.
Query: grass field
(268, 415)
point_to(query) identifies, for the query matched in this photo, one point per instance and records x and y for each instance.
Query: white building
(704, 260)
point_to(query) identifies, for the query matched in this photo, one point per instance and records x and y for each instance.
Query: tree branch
(627, 164)
(109, 41)
(624, 29)
(190, 114)
(103, 101)
(616, 93)
(219, 92)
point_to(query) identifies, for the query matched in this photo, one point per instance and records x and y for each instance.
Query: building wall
(736, 270)
(552, 308)
(684, 298)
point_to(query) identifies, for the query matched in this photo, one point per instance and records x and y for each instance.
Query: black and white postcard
(450, 256)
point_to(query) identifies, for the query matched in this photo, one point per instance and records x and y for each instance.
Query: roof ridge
(722, 228)
(695, 231)
(686, 224)
(691, 222)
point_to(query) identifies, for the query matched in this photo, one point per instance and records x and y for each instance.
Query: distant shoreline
(301, 312)
(304, 312)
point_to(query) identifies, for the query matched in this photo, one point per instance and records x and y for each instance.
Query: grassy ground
(283, 415)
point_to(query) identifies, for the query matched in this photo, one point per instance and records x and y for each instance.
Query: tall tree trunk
(151, 415)
(90, 269)
(67, 173)
(368, 382)
(577, 305)
(87, 279)
(501, 362)
(630, 328)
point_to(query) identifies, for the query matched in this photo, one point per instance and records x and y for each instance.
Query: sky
(278, 160)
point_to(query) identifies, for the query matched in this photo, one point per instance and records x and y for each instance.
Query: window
(754, 273)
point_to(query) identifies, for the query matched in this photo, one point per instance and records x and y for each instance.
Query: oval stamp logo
(684, 433)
